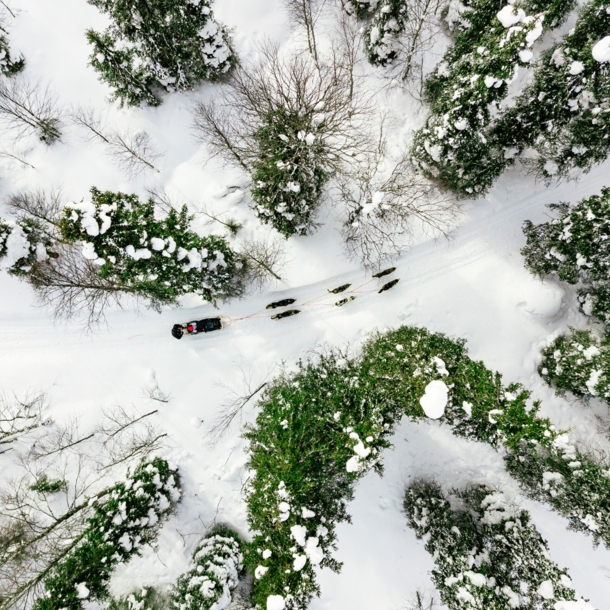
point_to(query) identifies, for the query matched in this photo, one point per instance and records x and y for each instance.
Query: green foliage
(323, 427)
(9, 66)
(288, 176)
(381, 33)
(25, 242)
(452, 147)
(574, 247)
(579, 363)
(217, 564)
(576, 484)
(159, 44)
(564, 115)
(127, 519)
(160, 259)
(144, 599)
(487, 553)
(44, 485)
(466, 88)
(361, 8)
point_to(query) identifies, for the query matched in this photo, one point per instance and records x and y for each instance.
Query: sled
(385, 272)
(388, 285)
(286, 314)
(339, 289)
(207, 325)
(282, 303)
(344, 301)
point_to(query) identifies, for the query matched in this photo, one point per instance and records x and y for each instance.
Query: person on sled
(207, 325)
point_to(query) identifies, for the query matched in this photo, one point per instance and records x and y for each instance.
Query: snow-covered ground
(474, 286)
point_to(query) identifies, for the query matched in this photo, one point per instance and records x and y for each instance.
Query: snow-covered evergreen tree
(574, 247)
(217, 564)
(381, 36)
(564, 115)
(361, 8)
(22, 244)
(288, 178)
(578, 362)
(9, 65)
(159, 44)
(468, 85)
(160, 259)
(487, 553)
(124, 521)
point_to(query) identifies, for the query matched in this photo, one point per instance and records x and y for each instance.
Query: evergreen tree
(218, 563)
(578, 362)
(23, 244)
(382, 33)
(159, 44)
(574, 248)
(9, 66)
(468, 85)
(564, 115)
(160, 259)
(288, 177)
(487, 553)
(129, 518)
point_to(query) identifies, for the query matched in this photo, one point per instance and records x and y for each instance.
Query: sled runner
(282, 303)
(207, 325)
(286, 314)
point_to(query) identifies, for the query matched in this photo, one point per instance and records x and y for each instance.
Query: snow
(17, 247)
(546, 589)
(275, 602)
(299, 533)
(474, 287)
(82, 592)
(601, 50)
(576, 67)
(510, 15)
(435, 399)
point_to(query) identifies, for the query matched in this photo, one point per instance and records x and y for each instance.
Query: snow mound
(435, 398)
(601, 50)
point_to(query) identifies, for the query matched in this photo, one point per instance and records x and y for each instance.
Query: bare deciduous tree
(27, 108)
(71, 286)
(20, 416)
(418, 40)
(44, 510)
(133, 152)
(233, 406)
(324, 93)
(265, 259)
(420, 600)
(305, 13)
(383, 210)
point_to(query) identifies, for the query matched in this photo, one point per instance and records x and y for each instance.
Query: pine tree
(217, 566)
(469, 84)
(160, 259)
(159, 44)
(578, 362)
(487, 553)
(9, 66)
(564, 115)
(129, 518)
(382, 33)
(574, 248)
(289, 176)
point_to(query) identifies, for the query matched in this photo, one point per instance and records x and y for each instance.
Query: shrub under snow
(574, 247)
(9, 66)
(22, 244)
(579, 363)
(487, 553)
(208, 585)
(382, 33)
(158, 44)
(125, 520)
